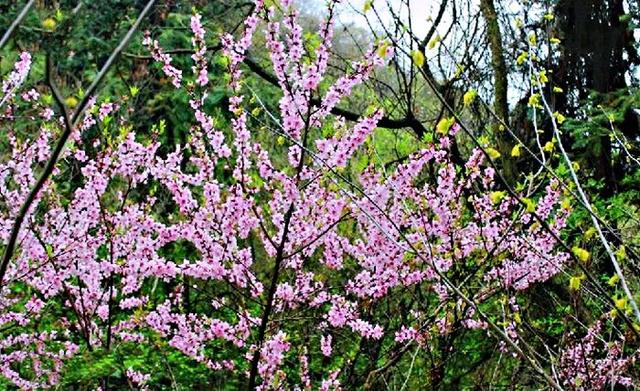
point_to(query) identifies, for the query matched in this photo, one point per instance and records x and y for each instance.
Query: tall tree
(501, 85)
(597, 54)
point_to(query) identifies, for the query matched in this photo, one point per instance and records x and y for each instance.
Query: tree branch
(16, 23)
(385, 122)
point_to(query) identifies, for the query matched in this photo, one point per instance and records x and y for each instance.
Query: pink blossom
(325, 345)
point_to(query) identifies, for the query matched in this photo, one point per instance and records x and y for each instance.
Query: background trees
(184, 225)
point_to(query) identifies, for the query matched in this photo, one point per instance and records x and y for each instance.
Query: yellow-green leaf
(432, 44)
(493, 153)
(531, 205)
(574, 282)
(520, 59)
(515, 151)
(418, 58)
(382, 50)
(71, 102)
(444, 125)
(469, 96)
(582, 254)
(621, 303)
(367, 5)
(497, 196)
(49, 250)
(519, 23)
(542, 76)
(534, 100)
(49, 24)
(559, 117)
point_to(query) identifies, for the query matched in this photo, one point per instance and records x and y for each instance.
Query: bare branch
(16, 23)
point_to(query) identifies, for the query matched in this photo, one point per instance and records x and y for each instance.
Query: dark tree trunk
(592, 59)
(500, 78)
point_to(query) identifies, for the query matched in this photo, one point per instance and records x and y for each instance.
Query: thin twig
(16, 23)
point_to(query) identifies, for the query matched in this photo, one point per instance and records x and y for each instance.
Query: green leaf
(418, 58)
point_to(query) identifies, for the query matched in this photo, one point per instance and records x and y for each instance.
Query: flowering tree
(293, 266)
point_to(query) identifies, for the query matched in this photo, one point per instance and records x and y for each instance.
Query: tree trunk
(500, 103)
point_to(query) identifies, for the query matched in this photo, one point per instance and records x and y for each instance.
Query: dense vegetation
(281, 194)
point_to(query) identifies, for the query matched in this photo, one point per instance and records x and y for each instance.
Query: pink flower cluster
(200, 67)
(159, 55)
(286, 244)
(16, 77)
(582, 367)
